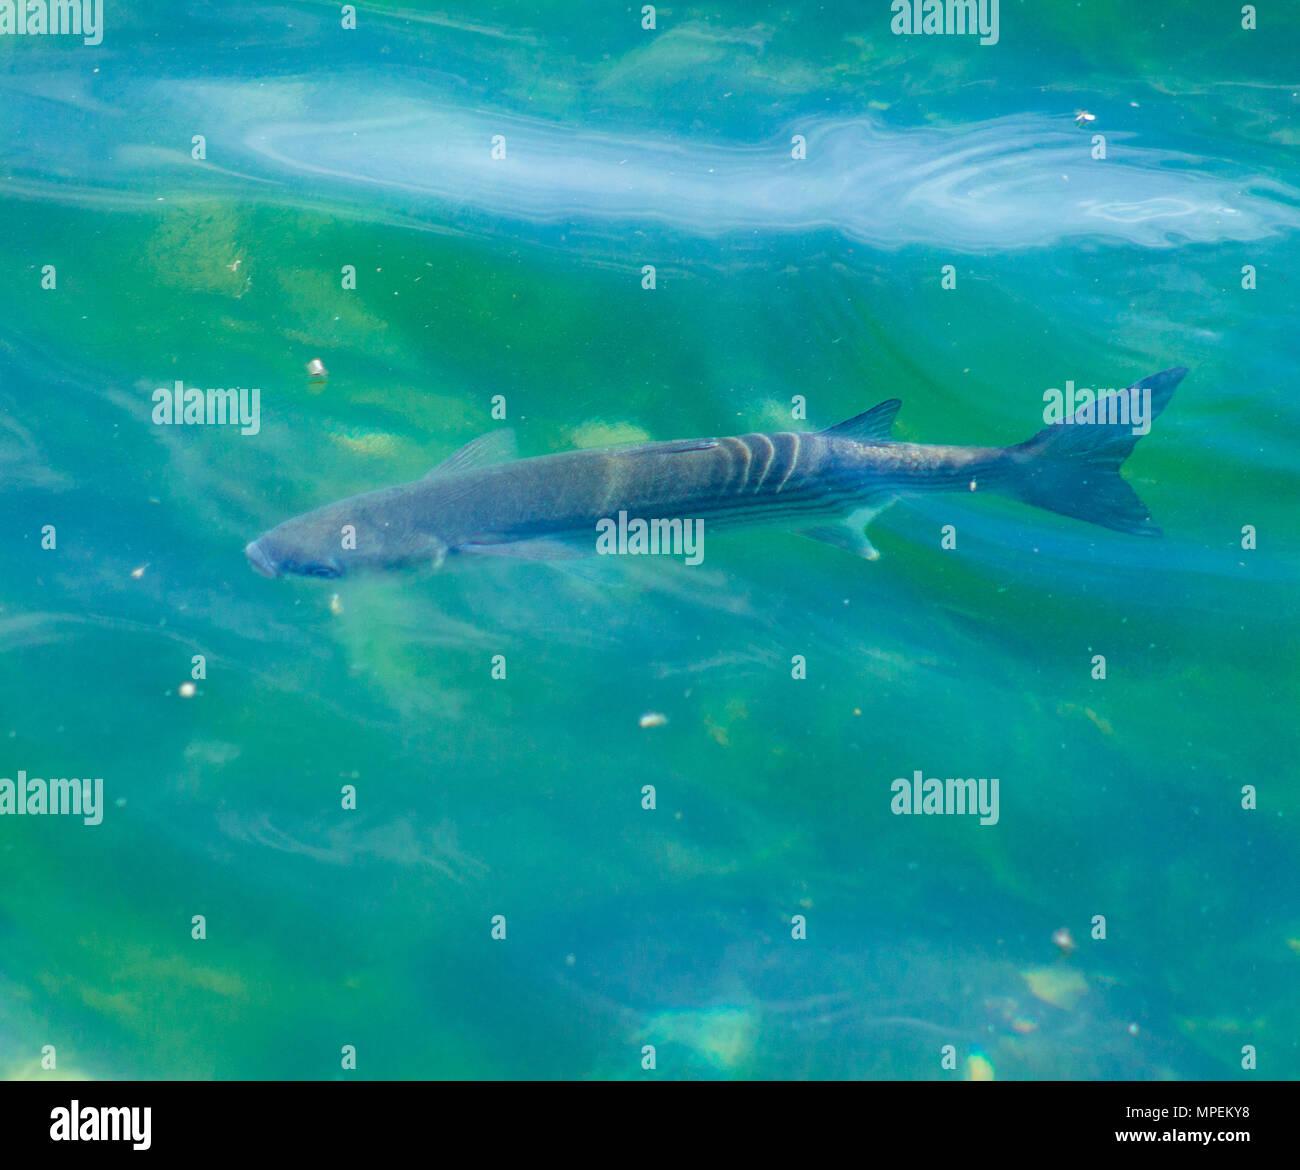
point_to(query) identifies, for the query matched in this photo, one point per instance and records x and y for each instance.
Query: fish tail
(1072, 467)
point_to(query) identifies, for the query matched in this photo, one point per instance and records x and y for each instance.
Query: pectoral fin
(572, 556)
(544, 548)
(434, 556)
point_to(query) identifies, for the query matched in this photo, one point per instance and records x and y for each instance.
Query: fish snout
(260, 559)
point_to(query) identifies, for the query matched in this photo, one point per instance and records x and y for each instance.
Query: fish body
(825, 484)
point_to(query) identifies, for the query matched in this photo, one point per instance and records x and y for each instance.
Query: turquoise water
(522, 796)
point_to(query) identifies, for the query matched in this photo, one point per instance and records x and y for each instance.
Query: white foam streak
(1026, 181)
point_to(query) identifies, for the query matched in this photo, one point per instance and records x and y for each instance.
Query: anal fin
(848, 533)
(843, 535)
(574, 557)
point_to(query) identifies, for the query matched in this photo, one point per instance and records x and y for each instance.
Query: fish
(826, 485)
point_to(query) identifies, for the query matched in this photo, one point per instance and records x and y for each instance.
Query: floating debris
(138, 573)
(1063, 940)
(1082, 117)
(187, 690)
(979, 1068)
(316, 368)
(336, 605)
(652, 719)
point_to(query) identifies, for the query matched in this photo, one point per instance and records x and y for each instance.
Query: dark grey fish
(824, 484)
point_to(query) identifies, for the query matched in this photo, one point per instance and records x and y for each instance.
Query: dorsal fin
(494, 447)
(871, 426)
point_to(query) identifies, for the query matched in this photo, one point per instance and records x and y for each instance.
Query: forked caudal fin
(1072, 467)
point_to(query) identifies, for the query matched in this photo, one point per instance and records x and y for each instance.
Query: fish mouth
(260, 559)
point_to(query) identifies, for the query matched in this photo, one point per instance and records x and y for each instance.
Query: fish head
(272, 555)
(339, 539)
